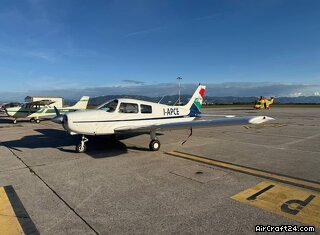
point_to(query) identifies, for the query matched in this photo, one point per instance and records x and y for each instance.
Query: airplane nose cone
(58, 119)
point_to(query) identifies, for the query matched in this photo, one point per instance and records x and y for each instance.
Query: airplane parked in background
(8, 105)
(36, 109)
(130, 115)
(264, 103)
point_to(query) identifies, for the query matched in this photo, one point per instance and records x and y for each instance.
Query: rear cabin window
(145, 108)
(128, 108)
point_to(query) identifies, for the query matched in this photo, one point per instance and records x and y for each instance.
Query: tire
(32, 120)
(14, 121)
(154, 145)
(80, 148)
(37, 121)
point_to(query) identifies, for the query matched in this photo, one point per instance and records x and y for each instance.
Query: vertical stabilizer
(195, 103)
(82, 103)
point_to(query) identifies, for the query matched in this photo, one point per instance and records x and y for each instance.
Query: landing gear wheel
(14, 121)
(37, 121)
(81, 148)
(154, 145)
(32, 120)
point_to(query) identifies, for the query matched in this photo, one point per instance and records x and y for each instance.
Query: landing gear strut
(154, 144)
(81, 148)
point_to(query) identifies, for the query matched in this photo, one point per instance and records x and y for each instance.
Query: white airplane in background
(36, 109)
(130, 115)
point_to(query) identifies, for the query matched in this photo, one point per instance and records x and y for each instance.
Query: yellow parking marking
(14, 219)
(291, 202)
(9, 223)
(252, 171)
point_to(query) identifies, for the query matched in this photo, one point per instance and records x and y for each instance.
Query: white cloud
(296, 94)
(155, 90)
(145, 31)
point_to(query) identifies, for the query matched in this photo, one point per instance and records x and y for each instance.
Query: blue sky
(52, 45)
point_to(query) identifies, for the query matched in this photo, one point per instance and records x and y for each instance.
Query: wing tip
(260, 119)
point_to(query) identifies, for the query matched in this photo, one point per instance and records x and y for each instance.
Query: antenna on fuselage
(161, 99)
(178, 101)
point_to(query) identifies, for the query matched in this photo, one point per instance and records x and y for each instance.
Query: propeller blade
(56, 110)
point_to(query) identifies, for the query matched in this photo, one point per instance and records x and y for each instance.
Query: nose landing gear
(154, 144)
(81, 148)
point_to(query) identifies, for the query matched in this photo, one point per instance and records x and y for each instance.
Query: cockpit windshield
(109, 106)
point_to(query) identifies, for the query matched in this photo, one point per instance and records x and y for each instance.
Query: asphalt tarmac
(224, 180)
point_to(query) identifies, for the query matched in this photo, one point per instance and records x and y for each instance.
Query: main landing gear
(154, 144)
(36, 120)
(81, 148)
(14, 121)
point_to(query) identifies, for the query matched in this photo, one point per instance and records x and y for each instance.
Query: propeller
(59, 118)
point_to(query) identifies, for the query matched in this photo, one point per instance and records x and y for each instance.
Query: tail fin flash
(272, 100)
(82, 103)
(195, 103)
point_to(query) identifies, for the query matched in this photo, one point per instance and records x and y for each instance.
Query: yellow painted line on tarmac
(291, 202)
(14, 219)
(9, 223)
(252, 171)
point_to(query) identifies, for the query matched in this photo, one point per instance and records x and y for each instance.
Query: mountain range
(209, 99)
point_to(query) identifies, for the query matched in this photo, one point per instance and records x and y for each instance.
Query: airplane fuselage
(104, 122)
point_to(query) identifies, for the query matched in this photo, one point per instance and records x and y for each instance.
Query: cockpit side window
(128, 108)
(145, 108)
(110, 106)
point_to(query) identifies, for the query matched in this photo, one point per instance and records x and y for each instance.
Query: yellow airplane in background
(264, 103)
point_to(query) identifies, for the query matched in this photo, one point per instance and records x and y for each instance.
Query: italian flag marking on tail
(198, 101)
(201, 92)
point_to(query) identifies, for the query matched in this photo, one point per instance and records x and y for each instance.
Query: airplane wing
(41, 102)
(216, 115)
(197, 124)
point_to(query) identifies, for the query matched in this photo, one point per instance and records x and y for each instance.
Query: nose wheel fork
(81, 148)
(154, 144)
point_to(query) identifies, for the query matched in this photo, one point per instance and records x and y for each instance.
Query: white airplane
(130, 115)
(36, 109)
